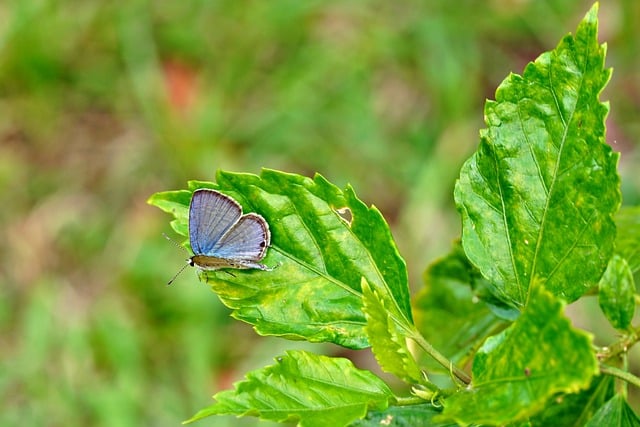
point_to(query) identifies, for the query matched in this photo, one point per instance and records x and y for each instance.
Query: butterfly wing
(246, 242)
(211, 215)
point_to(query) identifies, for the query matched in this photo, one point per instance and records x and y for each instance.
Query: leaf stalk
(440, 358)
(619, 373)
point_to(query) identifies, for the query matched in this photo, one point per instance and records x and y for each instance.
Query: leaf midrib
(566, 124)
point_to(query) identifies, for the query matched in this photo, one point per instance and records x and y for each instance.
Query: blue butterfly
(222, 237)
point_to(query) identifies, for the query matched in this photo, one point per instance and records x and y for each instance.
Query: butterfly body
(222, 237)
(205, 262)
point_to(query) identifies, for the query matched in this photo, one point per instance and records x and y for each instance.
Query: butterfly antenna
(178, 273)
(184, 249)
(175, 243)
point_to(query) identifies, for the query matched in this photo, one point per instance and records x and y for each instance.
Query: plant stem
(622, 346)
(619, 373)
(408, 401)
(446, 363)
(624, 386)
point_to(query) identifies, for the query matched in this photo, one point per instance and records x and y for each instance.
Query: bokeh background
(103, 103)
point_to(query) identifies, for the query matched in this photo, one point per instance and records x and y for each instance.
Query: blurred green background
(103, 103)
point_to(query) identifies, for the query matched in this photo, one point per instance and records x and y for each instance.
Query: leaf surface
(450, 311)
(616, 294)
(404, 416)
(615, 413)
(323, 241)
(628, 239)
(575, 409)
(538, 196)
(388, 340)
(518, 370)
(306, 388)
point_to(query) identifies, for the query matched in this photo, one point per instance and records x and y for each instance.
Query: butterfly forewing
(247, 240)
(211, 215)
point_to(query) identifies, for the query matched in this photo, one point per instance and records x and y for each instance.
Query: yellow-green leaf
(312, 390)
(537, 198)
(388, 341)
(517, 371)
(323, 241)
(616, 294)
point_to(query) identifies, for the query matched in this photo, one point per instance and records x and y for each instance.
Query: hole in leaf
(345, 215)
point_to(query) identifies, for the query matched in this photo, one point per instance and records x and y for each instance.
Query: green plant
(539, 202)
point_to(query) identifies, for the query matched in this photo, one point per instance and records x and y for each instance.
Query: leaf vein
(505, 224)
(555, 176)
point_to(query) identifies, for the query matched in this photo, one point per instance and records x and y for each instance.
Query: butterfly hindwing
(247, 240)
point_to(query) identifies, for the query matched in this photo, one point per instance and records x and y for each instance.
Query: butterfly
(222, 237)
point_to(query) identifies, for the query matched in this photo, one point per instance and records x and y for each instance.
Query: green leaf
(388, 340)
(538, 196)
(448, 311)
(175, 203)
(518, 370)
(616, 412)
(628, 239)
(575, 409)
(306, 388)
(617, 293)
(323, 241)
(404, 416)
